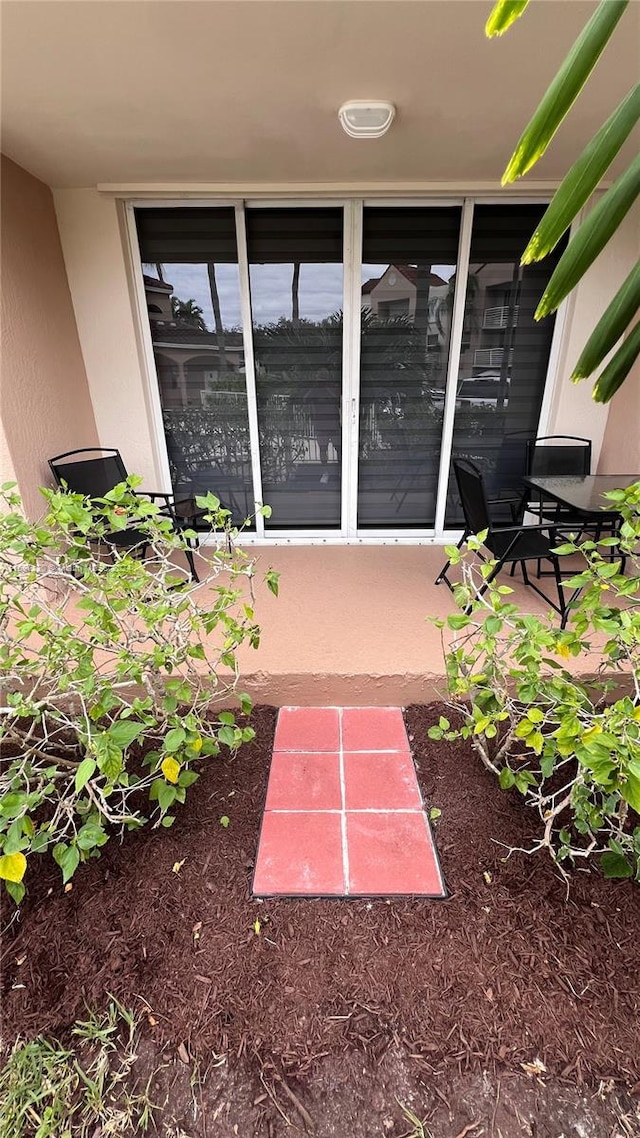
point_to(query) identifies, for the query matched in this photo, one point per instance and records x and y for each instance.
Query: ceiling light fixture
(366, 118)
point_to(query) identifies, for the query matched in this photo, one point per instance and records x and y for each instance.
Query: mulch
(509, 969)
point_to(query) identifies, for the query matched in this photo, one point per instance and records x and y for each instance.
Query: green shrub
(569, 741)
(111, 666)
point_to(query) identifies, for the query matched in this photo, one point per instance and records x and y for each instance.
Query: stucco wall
(93, 246)
(573, 410)
(621, 444)
(44, 398)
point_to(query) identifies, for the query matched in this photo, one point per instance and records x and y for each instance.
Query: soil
(511, 1005)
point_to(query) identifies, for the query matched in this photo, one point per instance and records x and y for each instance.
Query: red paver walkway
(344, 815)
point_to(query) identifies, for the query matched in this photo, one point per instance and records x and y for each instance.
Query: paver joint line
(344, 814)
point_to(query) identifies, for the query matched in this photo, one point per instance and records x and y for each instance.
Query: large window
(304, 357)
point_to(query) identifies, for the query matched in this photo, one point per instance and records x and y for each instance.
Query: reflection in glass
(409, 260)
(296, 279)
(191, 281)
(505, 353)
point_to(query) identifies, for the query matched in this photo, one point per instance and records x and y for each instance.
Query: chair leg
(562, 603)
(191, 563)
(442, 575)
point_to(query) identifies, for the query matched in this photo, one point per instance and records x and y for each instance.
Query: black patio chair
(94, 471)
(507, 545)
(551, 456)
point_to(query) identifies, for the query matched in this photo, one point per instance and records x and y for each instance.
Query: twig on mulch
(274, 1100)
(302, 1110)
(495, 1111)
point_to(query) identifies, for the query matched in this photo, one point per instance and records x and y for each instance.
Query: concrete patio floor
(350, 626)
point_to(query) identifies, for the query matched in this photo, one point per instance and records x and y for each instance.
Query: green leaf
(187, 778)
(168, 821)
(84, 773)
(124, 731)
(68, 862)
(615, 865)
(174, 739)
(166, 796)
(434, 813)
(583, 178)
(564, 88)
(224, 822)
(227, 736)
(109, 757)
(458, 621)
(227, 718)
(618, 368)
(503, 14)
(591, 238)
(506, 778)
(16, 890)
(631, 788)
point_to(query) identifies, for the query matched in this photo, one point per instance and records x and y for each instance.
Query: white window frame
(353, 208)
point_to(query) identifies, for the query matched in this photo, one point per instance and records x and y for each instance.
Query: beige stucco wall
(621, 444)
(44, 398)
(573, 410)
(93, 244)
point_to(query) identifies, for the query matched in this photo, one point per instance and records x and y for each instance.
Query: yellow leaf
(13, 866)
(177, 865)
(170, 769)
(563, 650)
(257, 926)
(197, 744)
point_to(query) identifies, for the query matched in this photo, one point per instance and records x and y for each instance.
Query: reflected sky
(320, 289)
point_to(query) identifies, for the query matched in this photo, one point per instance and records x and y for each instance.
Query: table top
(582, 492)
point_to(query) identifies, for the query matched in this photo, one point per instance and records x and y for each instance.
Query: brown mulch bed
(507, 970)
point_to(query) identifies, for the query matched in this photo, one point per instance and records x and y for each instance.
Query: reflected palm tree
(188, 314)
(217, 317)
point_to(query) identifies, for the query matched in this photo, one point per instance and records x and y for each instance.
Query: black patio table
(583, 494)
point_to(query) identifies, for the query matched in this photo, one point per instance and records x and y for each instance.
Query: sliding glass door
(408, 274)
(296, 285)
(329, 360)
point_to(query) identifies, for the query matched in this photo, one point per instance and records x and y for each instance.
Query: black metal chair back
(94, 475)
(551, 455)
(93, 472)
(472, 495)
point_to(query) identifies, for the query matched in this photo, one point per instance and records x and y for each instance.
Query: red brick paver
(344, 815)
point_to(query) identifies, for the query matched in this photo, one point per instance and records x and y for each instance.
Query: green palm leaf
(610, 326)
(591, 238)
(618, 368)
(583, 177)
(565, 88)
(503, 15)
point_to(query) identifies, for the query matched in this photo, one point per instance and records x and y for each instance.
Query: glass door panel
(408, 274)
(190, 274)
(505, 352)
(296, 281)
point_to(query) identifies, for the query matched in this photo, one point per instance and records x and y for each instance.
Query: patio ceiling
(248, 90)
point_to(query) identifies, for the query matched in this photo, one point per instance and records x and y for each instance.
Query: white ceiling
(248, 90)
